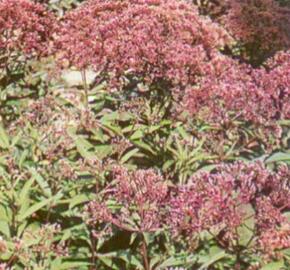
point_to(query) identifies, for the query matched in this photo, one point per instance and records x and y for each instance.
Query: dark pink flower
(235, 91)
(25, 27)
(272, 241)
(262, 27)
(268, 32)
(223, 201)
(139, 198)
(151, 40)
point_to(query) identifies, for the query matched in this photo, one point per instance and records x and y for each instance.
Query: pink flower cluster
(222, 201)
(234, 91)
(24, 26)
(167, 40)
(139, 197)
(152, 40)
(262, 25)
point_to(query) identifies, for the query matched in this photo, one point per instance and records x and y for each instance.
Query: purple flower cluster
(267, 33)
(152, 40)
(167, 40)
(223, 201)
(25, 27)
(235, 91)
(220, 203)
(259, 37)
(139, 197)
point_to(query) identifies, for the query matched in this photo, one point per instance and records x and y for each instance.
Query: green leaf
(23, 198)
(79, 199)
(206, 168)
(41, 182)
(56, 264)
(67, 234)
(81, 144)
(178, 260)
(5, 213)
(284, 122)
(128, 155)
(103, 151)
(4, 228)
(273, 266)
(25, 191)
(287, 215)
(133, 238)
(4, 139)
(168, 164)
(125, 116)
(215, 255)
(16, 139)
(154, 261)
(138, 134)
(110, 263)
(144, 146)
(99, 135)
(36, 207)
(114, 130)
(183, 133)
(109, 117)
(122, 255)
(278, 157)
(23, 157)
(72, 265)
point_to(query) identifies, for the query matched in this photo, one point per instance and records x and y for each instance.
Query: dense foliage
(145, 134)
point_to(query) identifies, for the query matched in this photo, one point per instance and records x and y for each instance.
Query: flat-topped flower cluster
(157, 42)
(221, 203)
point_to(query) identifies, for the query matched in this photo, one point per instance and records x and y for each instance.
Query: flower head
(223, 201)
(150, 40)
(139, 198)
(24, 27)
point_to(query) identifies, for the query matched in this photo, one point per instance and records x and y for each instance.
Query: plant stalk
(86, 88)
(145, 255)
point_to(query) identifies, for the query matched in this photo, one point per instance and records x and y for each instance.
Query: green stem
(145, 255)
(86, 88)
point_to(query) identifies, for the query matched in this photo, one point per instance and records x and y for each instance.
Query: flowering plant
(144, 135)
